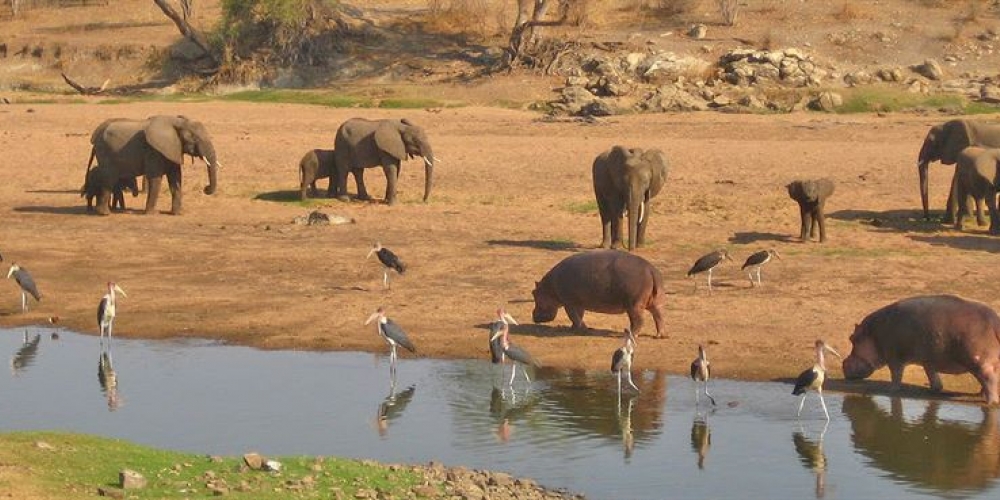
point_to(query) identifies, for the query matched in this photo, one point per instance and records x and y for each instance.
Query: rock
(827, 101)
(930, 69)
(576, 81)
(426, 491)
(573, 99)
(670, 98)
(918, 86)
(697, 31)
(633, 59)
(131, 480)
(253, 460)
(667, 68)
(860, 77)
(599, 107)
(990, 94)
(42, 445)
(720, 101)
(272, 466)
(110, 492)
(751, 101)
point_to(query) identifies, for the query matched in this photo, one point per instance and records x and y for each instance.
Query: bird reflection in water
(506, 410)
(701, 437)
(107, 376)
(25, 355)
(392, 407)
(625, 426)
(811, 454)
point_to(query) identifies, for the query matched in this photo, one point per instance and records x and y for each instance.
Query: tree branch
(85, 90)
(186, 29)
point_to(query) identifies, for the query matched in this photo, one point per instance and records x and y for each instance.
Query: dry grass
(851, 11)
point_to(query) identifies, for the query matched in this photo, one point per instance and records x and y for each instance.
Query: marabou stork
(756, 261)
(389, 260)
(812, 379)
(26, 283)
(106, 309)
(621, 361)
(496, 343)
(701, 372)
(709, 263)
(515, 353)
(391, 333)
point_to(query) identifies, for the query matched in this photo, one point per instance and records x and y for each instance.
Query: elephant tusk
(642, 211)
(430, 162)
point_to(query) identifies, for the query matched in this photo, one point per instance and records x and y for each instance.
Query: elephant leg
(934, 378)
(896, 376)
(104, 202)
(174, 177)
(819, 218)
(606, 222)
(805, 216)
(991, 205)
(153, 193)
(576, 317)
(952, 205)
(338, 184)
(391, 175)
(980, 220)
(359, 180)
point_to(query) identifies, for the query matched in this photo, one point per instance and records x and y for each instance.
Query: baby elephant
(811, 196)
(92, 188)
(316, 164)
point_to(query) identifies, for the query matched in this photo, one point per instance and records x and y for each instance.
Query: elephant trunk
(922, 168)
(635, 216)
(428, 177)
(208, 154)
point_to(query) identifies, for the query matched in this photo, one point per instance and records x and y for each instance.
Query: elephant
(944, 142)
(95, 179)
(151, 148)
(941, 333)
(977, 171)
(811, 196)
(625, 180)
(362, 144)
(316, 164)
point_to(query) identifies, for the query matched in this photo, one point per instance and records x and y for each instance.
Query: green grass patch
(74, 466)
(297, 97)
(581, 207)
(875, 99)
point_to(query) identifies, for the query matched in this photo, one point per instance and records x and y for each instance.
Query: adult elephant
(152, 148)
(944, 142)
(362, 144)
(625, 180)
(976, 174)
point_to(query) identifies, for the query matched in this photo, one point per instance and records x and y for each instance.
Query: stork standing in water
(515, 353)
(496, 341)
(27, 284)
(701, 372)
(106, 309)
(621, 361)
(392, 334)
(812, 379)
(708, 263)
(389, 260)
(756, 261)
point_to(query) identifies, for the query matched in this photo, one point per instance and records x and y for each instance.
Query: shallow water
(566, 431)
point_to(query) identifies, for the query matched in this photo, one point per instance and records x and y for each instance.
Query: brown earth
(512, 197)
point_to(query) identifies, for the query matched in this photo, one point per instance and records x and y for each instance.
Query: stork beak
(832, 351)
(776, 254)
(119, 290)
(373, 317)
(630, 336)
(370, 252)
(510, 319)
(730, 259)
(11, 272)
(496, 335)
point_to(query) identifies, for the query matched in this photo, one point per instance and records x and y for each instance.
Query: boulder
(698, 31)
(670, 98)
(990, 93)
(827, 101)
(131, 480)
(668, 68)
(930, 69)
(253, 460)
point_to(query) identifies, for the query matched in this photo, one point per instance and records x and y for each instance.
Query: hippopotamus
(604, 281)
(942, 333)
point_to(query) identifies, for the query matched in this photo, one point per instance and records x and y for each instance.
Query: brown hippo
(942, 333)
(604, 281)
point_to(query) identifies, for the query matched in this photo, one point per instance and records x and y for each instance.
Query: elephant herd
(155, 146)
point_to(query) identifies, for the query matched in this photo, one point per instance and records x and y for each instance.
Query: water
(566, 432)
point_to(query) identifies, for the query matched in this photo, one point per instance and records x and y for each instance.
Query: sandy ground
(512, 197)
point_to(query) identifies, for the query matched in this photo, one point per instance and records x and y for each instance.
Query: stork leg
(710, 398)
(526, 377)
(820, 392)
(710, 281)
(513, 372)
(801, 402)
(111, 323)
(385, 279)
(628, 375)
(696, 395)
(758, 277)
(24, 302)
(750, 275)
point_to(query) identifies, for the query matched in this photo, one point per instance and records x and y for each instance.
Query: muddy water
(567, 429)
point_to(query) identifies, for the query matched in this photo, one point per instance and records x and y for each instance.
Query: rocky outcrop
(786, 67)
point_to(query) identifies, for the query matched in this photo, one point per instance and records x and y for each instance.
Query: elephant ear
(389, 139)
(162, 136)
(956, 137)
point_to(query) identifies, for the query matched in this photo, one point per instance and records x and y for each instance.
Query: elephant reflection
(812, 456)
(107, 377)
(701, 438)
(392, 407)
(940, 455)
(26, 354)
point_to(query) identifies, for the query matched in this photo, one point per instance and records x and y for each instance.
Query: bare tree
(730, 10)
(186, 29)
(530, 18)
(187, 9)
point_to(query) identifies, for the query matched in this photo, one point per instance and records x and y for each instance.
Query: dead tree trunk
(530, 15)
(189, 32)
